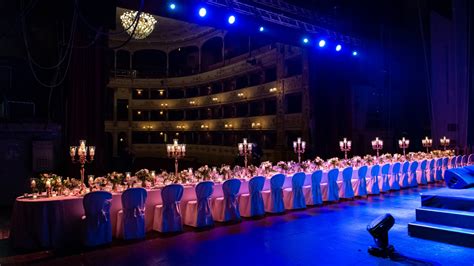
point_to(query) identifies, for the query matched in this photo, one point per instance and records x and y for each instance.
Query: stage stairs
(445, 218)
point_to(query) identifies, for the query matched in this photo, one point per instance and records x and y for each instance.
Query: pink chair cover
(362, 186)
(276, 184)
(231, 188)
(432, 175)
(385, 186)
(98, 228)
(395, 185)
(256, 200)
(423, 179)
(316, 187)
(347, 190)
(333, 188)
(204, 191)
(439, 169)
(171, 195)
(133, 206)
(297, 182)
(404, 182)
(373, 184)
(413, 174)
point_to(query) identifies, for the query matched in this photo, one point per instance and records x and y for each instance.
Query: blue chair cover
(432, 176)
(297, 182)
(396, 176)
(98, 228)
(133, 205)
(423, 179)
(445, 165)
(385, 179)
(363, 183)
(276, 184)
(459, 161)
(470, 159)
(204, 191)
(374, 176)
(405, 174)
(333, 188)
(452, 163)
(231, 188)
(413, 167)
(256, 201)
(346, 178)
(171, 195)
(316, 187)
(439, 169)
(464, 160)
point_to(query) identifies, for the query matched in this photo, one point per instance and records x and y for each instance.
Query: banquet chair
(313, 195)
(226, 209)
(360, 185)
(345, 190)
(273, 199)
(404, 180)
(464, 160)
(439, 169)
(293, 198)
(251, 204)
(96, 221)
(395, 178)
(445, 165)
(167, 216)
(452, 162)
(384, 182)
(432, 169)
(198, 212)
(373, 181)
(459, 161)
(470, 159)
(413, 174)
(332, 193)
(423, 179)
(131, 218)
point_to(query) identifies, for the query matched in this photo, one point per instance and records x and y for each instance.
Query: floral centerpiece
(333, 162)
(225, 171)
(101, 182)
(145, 177)
(369, 159)
(318, 162)
(356, 161)
(252, 170)
(115, 179)
(306, 166)
(203, 173)
(281, 166)
(266, 167)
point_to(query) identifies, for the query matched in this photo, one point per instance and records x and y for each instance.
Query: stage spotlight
(354, 53)
(202, 12)
(172, 6)
(379, 228)
(322, 43)
(305, 40)
(338, 47)
(261, 29)
(231, 20)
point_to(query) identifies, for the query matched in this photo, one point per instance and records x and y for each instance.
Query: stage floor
(333, 234)
(446, 198)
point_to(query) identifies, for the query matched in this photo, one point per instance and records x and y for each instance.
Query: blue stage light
(338, 47)
(322, 43)
(354, 53)
(306, 40)
(231, 19)
(261, 29)
(172, 6)
(202, 12)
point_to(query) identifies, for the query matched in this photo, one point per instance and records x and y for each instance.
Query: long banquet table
(56, 221)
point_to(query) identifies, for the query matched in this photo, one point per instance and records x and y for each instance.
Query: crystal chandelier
(146, 24)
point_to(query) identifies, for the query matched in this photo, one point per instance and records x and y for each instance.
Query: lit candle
(294, 144)
(250, 146)
(341, 144)
(241, 146)
(299, 140)
(72, 151)
(184, 148)
(33, 183)
(152, 173)
(48, 184)
(303, 144)
(82, 143)
(349, 143)
(245, 141)
(92, 151)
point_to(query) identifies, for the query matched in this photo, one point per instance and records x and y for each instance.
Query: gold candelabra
(377, 144)
(176, 151)
(444, 142)
(403, 143)
(427, 143)
(299, 147)
(245, 149)
(79, 155)
(345, 146)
